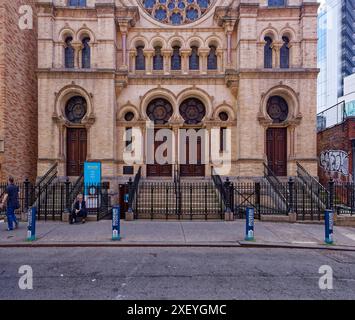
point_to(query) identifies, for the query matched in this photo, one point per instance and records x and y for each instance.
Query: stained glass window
(176, 12)
(158, 59)
(69, 53)
(140, 59)
(85, 54)
(285, 53)
(194, 59)
(176, 59)
(212, 59)
(268, 53)
(276, 3)
(77, 3)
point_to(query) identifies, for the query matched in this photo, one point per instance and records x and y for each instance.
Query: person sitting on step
(79, 210)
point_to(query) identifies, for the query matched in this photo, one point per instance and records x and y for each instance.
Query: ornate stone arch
(154, 94)
(200, 94)
(290, 96)
(195, 40)
(138, 40)
(176, 39)
(65, 32)
(128, 107)
(157, 40)
(289, 32)
(64, 95)
(214, 40)
(224, 107)
(269, 32)
(85, 31)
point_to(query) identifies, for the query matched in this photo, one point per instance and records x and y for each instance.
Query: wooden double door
(76, 150)
(188, 169)
(193, 168)
(276, 150)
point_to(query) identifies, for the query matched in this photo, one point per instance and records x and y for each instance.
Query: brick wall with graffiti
(335, 152)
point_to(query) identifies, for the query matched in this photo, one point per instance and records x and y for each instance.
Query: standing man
(11, 201)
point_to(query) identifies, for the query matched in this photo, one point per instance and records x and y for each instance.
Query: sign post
(249, 231)
(92, 183)
(116, 228)
(31, 224)
(329, 223)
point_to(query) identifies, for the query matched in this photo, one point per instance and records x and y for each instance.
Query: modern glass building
(336, 50)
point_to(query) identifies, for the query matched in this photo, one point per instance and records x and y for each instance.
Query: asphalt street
(175, 273)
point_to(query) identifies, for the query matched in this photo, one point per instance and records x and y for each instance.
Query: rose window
(176, 12)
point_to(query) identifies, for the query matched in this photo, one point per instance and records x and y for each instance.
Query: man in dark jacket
(11, 202)
(79, 210)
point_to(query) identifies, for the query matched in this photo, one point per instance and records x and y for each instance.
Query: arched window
(268, 53)
(194, 61)
(158, 59)
(192, 110)
(176, 59)
(285, 53)
(159, 110)
(277, 109)
(140, 59)
(77, 3)
(75, 109)
(85, 54)
(212, 59)
(69, 53)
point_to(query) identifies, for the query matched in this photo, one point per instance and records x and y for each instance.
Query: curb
(117, 244)
(248, 244)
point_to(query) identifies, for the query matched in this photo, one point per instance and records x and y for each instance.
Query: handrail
(51, 169)
(219, 186)
(275, 182)
(310, 181)
(75, 189)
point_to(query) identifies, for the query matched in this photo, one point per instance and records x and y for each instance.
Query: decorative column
(78, 46)
(229, 48)
(124, 24)
(203, 53)
(148, 53)
(185, 53)
(220, 60)
(167, 53)
(132, 61)
(276, 46)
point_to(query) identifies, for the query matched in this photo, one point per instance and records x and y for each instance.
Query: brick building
(18, 93)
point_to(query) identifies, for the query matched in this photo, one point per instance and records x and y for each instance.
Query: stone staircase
(192, 199)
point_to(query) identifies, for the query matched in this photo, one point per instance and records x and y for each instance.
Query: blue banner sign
(116, 228)
(329, 223)
(92, 173)
(31, 224)
(249, 231)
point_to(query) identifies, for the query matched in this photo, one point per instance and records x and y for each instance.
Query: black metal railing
(197, 199)
(133, 191)
(344, 197)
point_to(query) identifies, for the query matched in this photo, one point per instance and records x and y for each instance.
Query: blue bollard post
(116, 223)
(329, 223)
(249, 231)
(31, 224)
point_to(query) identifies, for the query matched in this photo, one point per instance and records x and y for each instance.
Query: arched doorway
(192, 111)
(160, 111)
(276, 136)
(76, 145)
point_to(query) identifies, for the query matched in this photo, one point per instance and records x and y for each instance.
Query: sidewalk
(178, 233)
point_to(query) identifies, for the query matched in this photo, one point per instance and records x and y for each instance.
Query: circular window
(176, 12)
(75, 109)
(223, 116)
(192, 110)
(159, 110)
(277, 109)
(129, 116)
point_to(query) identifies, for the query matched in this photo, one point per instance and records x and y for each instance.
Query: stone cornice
(278, 73)
(76, 73)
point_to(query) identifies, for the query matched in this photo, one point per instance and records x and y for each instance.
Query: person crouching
(79, 210)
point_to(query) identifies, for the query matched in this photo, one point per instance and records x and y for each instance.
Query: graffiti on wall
(335, 161)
